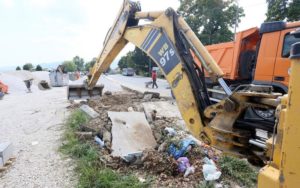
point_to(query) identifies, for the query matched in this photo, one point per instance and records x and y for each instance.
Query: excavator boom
(172, 45)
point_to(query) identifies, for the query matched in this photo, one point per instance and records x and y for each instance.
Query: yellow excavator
(172, 45)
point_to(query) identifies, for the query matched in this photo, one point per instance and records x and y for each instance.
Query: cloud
(41, 3)
(7, 3)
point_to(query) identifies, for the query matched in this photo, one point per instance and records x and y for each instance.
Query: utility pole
(236, 18)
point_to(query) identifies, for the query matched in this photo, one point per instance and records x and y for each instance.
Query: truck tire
(246, 64)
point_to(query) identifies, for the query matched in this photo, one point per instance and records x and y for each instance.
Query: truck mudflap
(80, 91)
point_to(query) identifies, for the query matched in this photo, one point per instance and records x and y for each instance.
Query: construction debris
(131, 133)
(107, 93)
(84, 135)
(6, 151)
(152, 94)
(169, 140)
(210, 171)
(89, 111)
(43, 85)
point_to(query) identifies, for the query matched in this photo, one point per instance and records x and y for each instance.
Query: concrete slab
(6, 151)
(163, 108)
(131, 133)
(1, 162)
(167, 109)
(89, 111)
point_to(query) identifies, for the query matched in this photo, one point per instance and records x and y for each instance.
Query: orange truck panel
(267, 56)
(227, 54)
(267, 45)
(3, 88)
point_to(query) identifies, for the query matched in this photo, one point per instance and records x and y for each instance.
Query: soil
(154, 164)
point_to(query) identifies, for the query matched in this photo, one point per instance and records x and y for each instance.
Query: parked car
(128, 72)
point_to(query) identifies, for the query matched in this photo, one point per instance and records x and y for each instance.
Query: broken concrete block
(84, 135)
(89, 111)
(107, 93)
(147, 97)
(154, 94)
(6, 151)
(131, 133)
(1, 162)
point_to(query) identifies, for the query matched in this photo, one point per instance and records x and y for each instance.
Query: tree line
(213, 21)
(76, 64)
(29, 67)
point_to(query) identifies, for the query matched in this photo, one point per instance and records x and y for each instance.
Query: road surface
(138, 83)
(33, 122)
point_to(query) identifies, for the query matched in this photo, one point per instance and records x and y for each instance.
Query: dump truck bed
(227, 54)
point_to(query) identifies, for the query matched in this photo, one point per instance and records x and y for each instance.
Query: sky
(45, 31)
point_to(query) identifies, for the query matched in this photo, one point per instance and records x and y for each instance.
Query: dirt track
(33, 123)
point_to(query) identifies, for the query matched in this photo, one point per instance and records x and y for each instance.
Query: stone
(1, 162)
(147, 97)
(154, 94)
(6, 151)
(89, 111)
(131, 133)
(107, 93)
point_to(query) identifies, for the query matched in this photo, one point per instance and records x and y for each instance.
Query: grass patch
(91, 172)
(238, 170)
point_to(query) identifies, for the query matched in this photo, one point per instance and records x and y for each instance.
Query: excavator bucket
(80, 91)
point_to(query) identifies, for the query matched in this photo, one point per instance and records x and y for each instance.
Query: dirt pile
(157, 163)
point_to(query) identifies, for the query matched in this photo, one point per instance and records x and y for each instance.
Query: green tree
(211, 20)
(79, 62)
(69, 66)
(28, 66)
(90, 64)
(123, 62)
(38, 68)
(18, 68)
(138, 60)
(293, 13)
(277, 10)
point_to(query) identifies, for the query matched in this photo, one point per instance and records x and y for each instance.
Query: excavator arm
(172, 45)
(168, 40)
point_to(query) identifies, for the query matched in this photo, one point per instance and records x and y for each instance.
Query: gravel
(33, 122)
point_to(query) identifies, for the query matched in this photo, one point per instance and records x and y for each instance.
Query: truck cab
(273, 63)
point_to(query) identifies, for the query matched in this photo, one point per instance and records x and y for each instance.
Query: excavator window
(289, 39)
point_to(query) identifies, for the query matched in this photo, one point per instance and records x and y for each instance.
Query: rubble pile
(176, 160)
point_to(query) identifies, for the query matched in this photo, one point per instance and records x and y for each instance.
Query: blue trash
(1, 95)
(176, 152)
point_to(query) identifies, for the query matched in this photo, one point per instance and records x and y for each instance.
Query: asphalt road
(136, 83)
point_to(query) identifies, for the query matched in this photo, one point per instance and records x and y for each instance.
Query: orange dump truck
(3, 88)
(258, 55)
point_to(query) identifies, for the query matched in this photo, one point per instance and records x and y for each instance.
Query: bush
(70, 66)
(38, 68)
(27, 66)
(18, 68)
